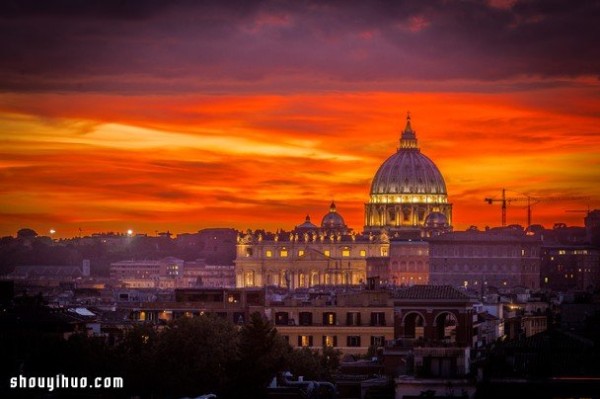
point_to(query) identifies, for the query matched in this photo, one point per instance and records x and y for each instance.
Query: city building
(569, 267)
(48, 276)
(435, 332)
(350, 322)
(234, 305)
(215, 245)
(162, 273)
(171, 272)
(308, 256)
(408, 200)
(502, 258)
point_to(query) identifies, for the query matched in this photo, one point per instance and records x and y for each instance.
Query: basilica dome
(408, 171)
(406, 189)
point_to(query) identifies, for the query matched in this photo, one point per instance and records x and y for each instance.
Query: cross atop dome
(408, 126)
(408, 139)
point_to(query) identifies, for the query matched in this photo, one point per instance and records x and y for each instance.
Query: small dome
(307, 225)
(436, 220)
(333, 220)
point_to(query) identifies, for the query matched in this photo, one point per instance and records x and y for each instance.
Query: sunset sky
(182, 115)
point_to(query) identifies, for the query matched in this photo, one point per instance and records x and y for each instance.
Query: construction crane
(531, 201)
(505, 201)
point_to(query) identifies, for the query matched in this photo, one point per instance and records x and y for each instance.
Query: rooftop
(431, 292)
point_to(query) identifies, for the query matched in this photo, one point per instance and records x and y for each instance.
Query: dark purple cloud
(163, 46)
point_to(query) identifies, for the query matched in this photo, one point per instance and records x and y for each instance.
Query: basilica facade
(407, 200)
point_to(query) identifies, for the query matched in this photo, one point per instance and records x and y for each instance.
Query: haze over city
(180, 116)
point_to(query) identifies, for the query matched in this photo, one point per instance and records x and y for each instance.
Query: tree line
(186, 358)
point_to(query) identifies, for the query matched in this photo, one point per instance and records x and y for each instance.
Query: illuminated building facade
(304, 259)
(408, 192)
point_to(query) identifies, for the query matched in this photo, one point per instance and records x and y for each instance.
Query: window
(378, 318)
(353, 319)
(249, 278)
(248, 252)
(283, 253)
(305, 318)
(300, 252)
(269, 253)
(301, 280)
(327, 252)
(346, 252)
(329, 319)
(377, 340)
(353, 340)
(329, 340)
(281, 318)
(363, 253)
(384, 251)
(305, 340)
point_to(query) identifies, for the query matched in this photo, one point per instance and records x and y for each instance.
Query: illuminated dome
(436, 220)
(406, 189)
(408, 172)
(333, 220)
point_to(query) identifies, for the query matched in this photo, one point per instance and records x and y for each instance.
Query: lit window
(327, 252)
(384, 251)
(363, 253)
(269, 253)
(305, 340)
(329, 318)
(346, 252)
(283, 253)
(300, 252)
(329, 340)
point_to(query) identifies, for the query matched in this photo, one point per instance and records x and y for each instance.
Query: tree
(262, 354)
(195, 356)
(312, 364)
(137, 359)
